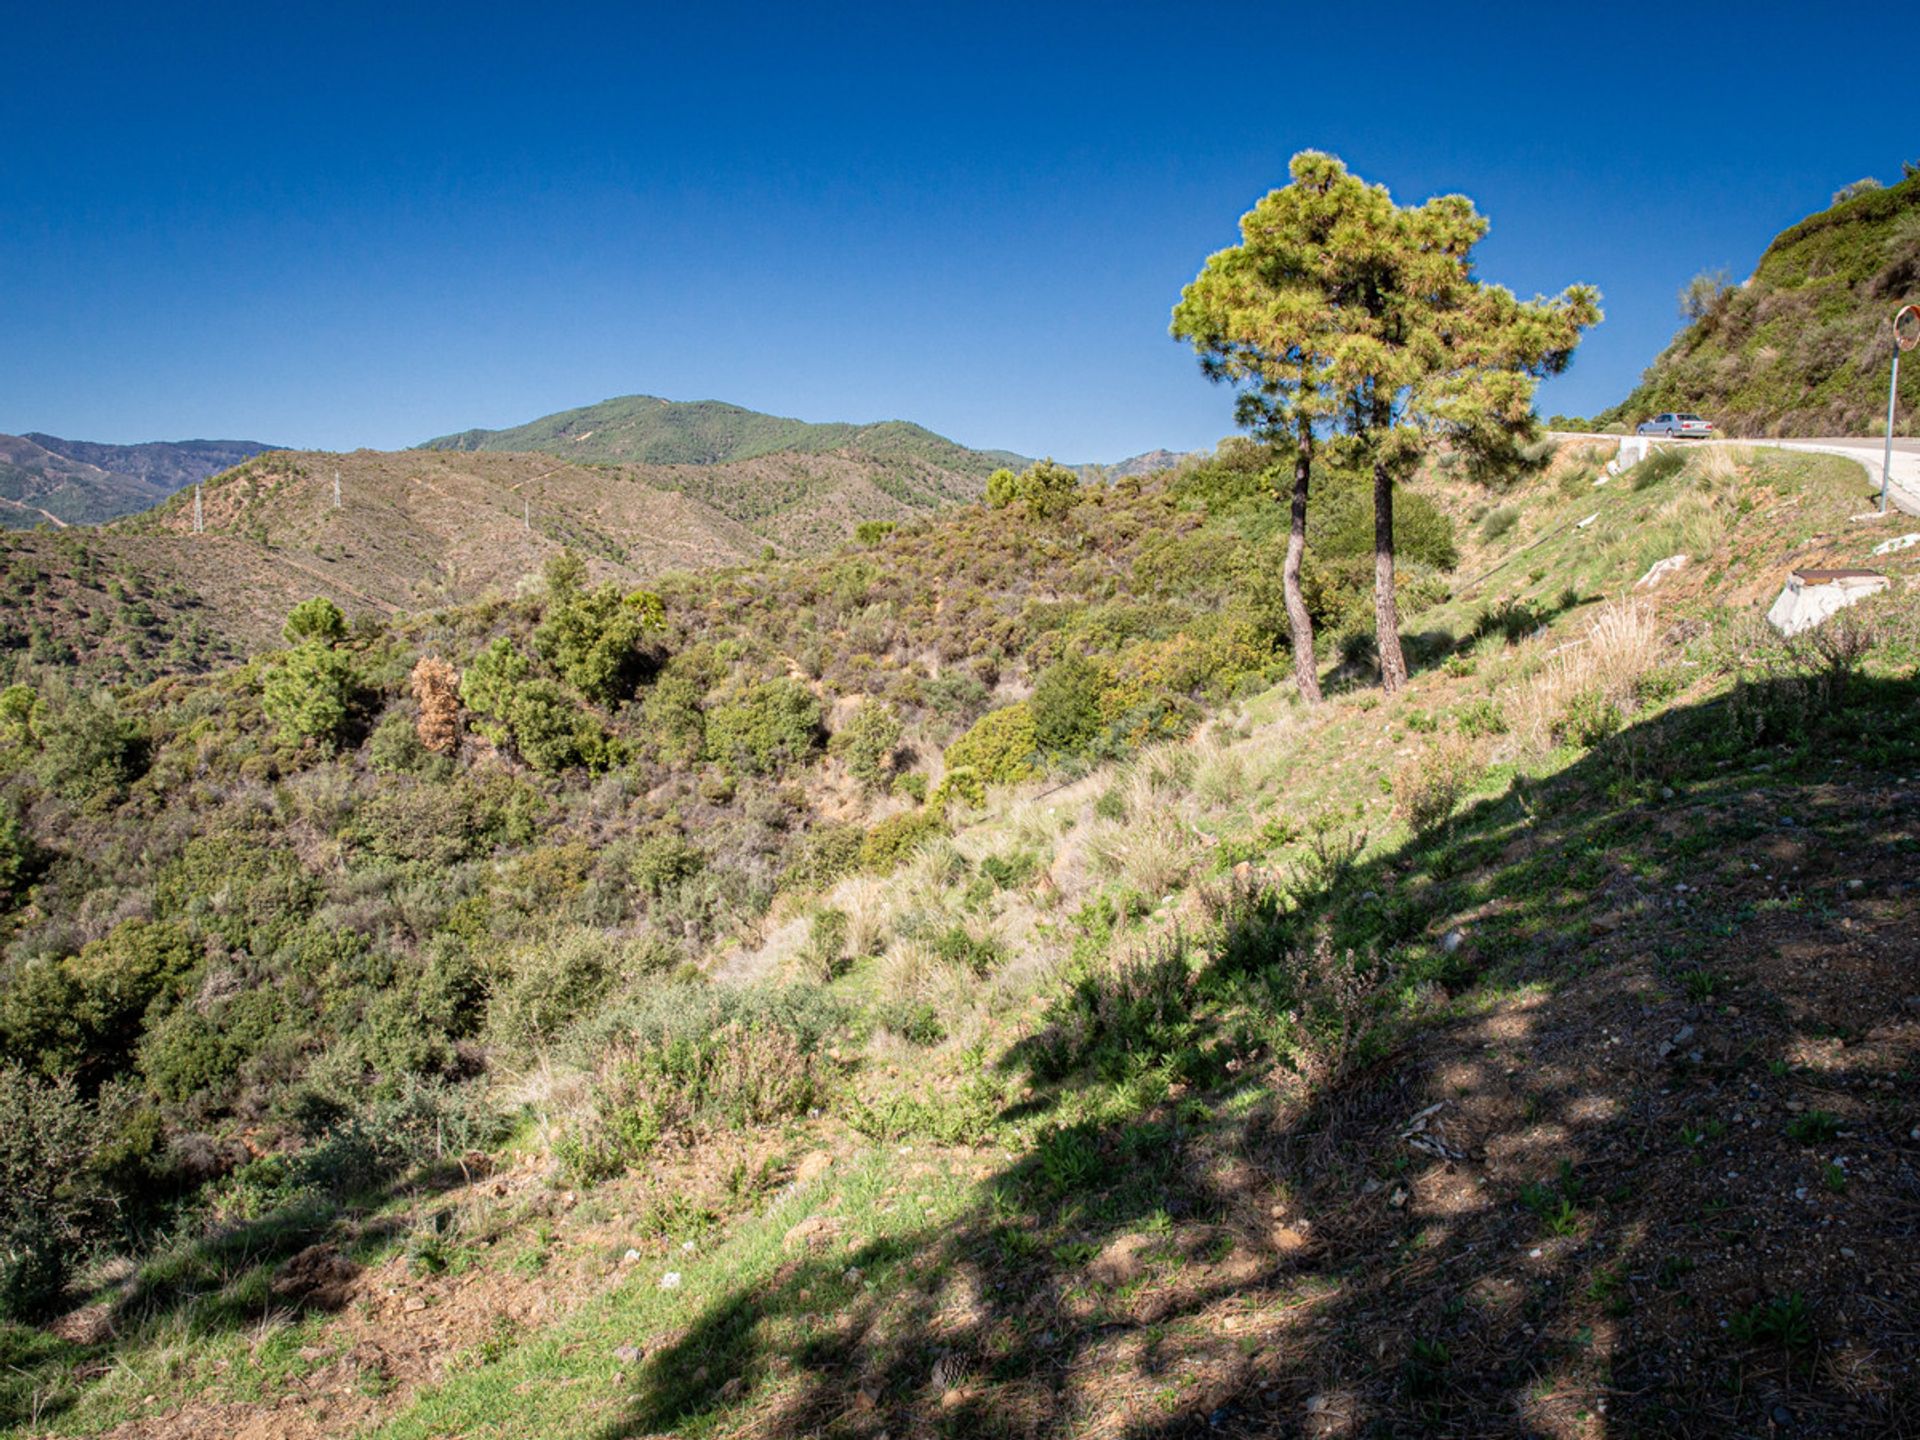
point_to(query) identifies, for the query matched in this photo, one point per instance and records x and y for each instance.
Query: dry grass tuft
(1622, 643)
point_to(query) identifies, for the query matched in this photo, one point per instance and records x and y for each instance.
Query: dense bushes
(52, 1200)
(867, 742)
(1000, 748)
(1066, 705)
(592, 638)
(771, 724)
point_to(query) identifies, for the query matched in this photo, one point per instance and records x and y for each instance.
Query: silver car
(1678, 427)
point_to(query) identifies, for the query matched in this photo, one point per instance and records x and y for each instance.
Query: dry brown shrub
(436, 690)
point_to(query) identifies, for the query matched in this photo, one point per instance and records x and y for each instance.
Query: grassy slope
(644, 429)
(1803, 347)
(1189, 1233)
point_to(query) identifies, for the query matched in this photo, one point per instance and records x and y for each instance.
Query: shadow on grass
(1561, 1179)
(297, 1258)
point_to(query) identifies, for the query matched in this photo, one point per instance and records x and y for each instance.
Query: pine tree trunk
(1386, 614)
(1299, 623)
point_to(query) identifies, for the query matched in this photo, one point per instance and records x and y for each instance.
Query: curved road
(1903, 489)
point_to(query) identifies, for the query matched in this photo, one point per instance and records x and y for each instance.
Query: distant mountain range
(646, 430)
(45, 480)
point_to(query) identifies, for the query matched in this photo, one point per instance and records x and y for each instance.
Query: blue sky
(335, 226)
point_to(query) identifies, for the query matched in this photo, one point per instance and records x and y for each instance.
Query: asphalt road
(1903, 489)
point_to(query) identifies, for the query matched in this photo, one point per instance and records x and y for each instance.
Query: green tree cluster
(592, 637)
(1048, 489)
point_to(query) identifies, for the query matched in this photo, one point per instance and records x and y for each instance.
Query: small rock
(413, 1306)
(670, 1280)
(632, 1257)
(628, 1354)
(1683, 1034)
(1451, 942)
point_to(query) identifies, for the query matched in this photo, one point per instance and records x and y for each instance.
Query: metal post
(1893, 392)
(526, 514)
(198, 523)
(336, 489)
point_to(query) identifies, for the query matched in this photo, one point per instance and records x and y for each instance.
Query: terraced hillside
(1527, 1054)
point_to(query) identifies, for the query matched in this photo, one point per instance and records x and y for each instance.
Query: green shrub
(1499, 521)
(672, 722)
(1000, 748)
(18, 855)
(897, 837)
(962, 783)
(316, 619)
(308, 694)
(1120, 1020)
(866, 743)
(827, 943)
(593, 638)
(958, 946)
(1480, 718)
(1587, 718)
(394, 748)
(1066, 705)
(829, 852)
(121, 975)
(431, 823)
(1428, 787)
(775, 723)
(88, 750)
(718, 1060)
(552, 733)
(1049, 489)
(544, 985)
(661, 862)
(196, 1051)
(51, 1200)
(489, 685)
(1002, 488)
(872, 532)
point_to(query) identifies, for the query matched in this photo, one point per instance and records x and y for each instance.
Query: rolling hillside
(1802, 348)
(416, 530)
(647, 430)
(45, 480)
(1528, 1053)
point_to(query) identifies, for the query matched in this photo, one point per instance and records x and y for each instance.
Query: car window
(1689, 417)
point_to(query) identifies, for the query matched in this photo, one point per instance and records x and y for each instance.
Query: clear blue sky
(338, 225)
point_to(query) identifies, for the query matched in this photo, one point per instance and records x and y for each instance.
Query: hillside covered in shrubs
(1803, 347)
(381, 859)
(955, 985)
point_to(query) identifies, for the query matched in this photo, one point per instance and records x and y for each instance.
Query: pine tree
(1341, 314)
